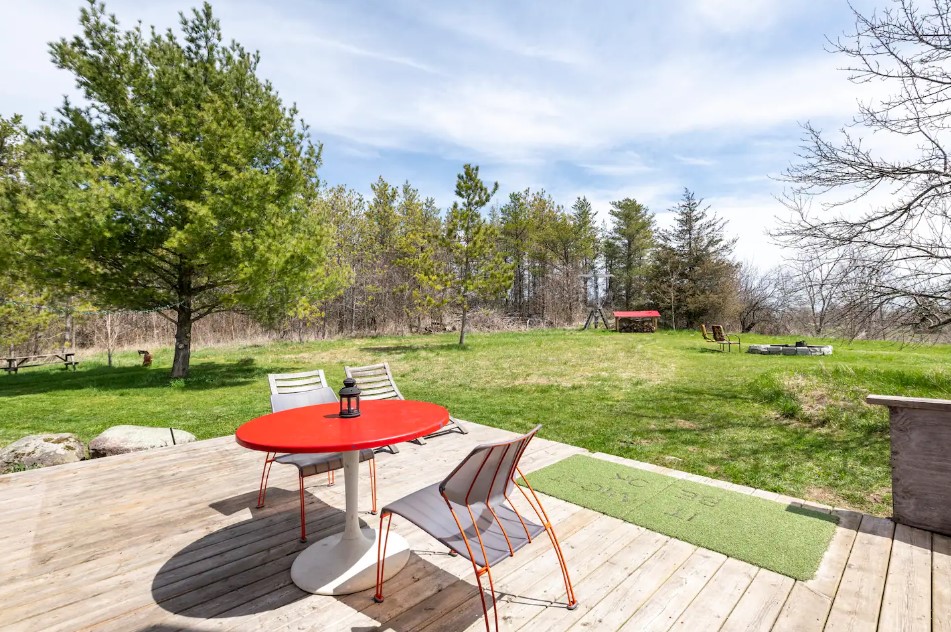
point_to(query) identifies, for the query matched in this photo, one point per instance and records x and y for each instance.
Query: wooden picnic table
(15, 363)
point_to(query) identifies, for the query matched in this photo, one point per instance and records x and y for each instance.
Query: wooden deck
(169, 540)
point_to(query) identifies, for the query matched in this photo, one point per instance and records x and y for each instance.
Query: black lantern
(350, 398)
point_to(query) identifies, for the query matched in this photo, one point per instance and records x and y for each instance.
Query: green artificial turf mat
(783, 538)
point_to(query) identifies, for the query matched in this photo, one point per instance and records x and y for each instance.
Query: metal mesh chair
(471, 513)
(376, 382)
(308, 464)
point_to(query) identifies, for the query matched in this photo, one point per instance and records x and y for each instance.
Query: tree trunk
(109, 339)
(183, 339)
(68, 334)
(462, 328)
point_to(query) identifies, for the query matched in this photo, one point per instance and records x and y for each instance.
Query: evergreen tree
(380, 250)
(343, 210)
(626, 250)
(568, 244)
(516, 232)
(477, 265)
(692, 271)
(589, 243)
(423, 271)
(583, 218)
(184, 182)
(22, 314)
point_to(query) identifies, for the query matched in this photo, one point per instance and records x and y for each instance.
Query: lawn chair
(293, 390)
(471, 513)
(375, 381)
(726, 340)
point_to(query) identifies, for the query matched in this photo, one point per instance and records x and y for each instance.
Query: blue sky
(608, 100)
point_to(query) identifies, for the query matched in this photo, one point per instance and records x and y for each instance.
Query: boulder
(124, 439)
(42, 450)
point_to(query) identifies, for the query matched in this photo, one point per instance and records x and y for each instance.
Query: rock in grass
(124, 439)
(42, 450)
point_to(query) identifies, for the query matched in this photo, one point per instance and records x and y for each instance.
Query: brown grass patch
(825, 496)
(810, 393)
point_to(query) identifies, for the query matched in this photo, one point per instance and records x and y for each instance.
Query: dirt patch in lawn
(818, 403)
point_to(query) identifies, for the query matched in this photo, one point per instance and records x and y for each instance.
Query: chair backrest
(718, 333)
(703, 332)
(375, 381)
(284, 401)
(296, 382)
(487, 474)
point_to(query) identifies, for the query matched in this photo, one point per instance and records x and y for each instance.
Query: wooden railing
(921, 460)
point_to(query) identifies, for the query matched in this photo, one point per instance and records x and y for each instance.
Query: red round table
(344, 563)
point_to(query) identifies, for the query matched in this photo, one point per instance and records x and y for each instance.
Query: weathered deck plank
(858, 601)
(906, 604)
(170, 539)
(941, 583)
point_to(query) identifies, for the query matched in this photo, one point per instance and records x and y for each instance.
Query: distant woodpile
(638, 322)
(636, 326)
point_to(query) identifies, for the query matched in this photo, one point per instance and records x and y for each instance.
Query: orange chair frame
(486, 570)
(331, 480)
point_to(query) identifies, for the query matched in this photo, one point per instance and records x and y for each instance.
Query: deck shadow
(277, 498)
(404, 609)
(244, 568)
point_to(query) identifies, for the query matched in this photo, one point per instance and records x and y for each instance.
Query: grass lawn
(795, 425)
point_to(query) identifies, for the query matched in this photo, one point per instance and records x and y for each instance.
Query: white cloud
(750, 218)
(695, 161)
(732, 16)
(609, 100)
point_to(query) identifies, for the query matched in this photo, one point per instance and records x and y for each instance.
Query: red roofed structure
(636, 322)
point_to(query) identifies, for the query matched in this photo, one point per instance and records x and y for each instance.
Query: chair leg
(419, 441)
(381, 556)
(303, 517)
(539, 510)
(331, 478)
(569, 589)
(459, 427)
(373, 485)
(485, 607)
(262, 490)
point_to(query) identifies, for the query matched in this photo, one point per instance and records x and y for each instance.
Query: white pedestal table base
(345, 563)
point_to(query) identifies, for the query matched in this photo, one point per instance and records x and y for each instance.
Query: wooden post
(921, 460)
(68, 333)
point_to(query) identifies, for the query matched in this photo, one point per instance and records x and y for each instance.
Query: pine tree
(382, 222)
(568, 245)
(584, 222)
(477, 265)
(626, 249)
(517, 233)
(424, 273)
(692, 270)
(182, 182)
